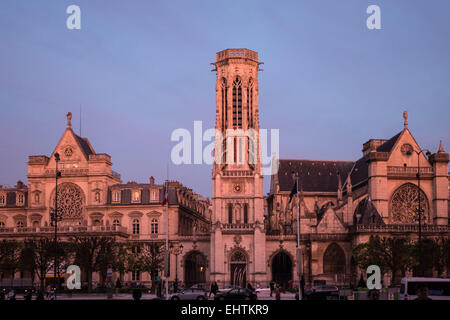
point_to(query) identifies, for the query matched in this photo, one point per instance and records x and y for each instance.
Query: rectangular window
(245, 213)
(20, 199)
(2, 199)
(135, 275)
(116, 197)
(230, 213)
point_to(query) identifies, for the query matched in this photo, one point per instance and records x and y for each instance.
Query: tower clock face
(237, 188)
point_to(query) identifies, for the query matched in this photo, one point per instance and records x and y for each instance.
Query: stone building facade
(241, 235)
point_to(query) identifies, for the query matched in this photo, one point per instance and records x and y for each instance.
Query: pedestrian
(28, 295)
(137, 294)
(2, 294)
(118, 284)
(422, 293)
(159, 289)
(214, 288)
(175, 287)
(40, 295)
(272, 287)
(374, 294)
(11, 295)
(249, 287)
(277, 293)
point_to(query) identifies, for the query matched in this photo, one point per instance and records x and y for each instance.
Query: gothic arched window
(250, 103)
(230, 213)
(116, 223)
(334, 260)
(237, 103)
(245, 213)
(224, 97)
(405, 204)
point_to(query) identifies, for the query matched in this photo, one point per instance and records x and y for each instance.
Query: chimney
(152, 181)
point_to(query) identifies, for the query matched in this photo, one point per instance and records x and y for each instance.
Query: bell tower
(238, 203)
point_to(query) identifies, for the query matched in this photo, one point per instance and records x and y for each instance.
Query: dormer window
(116, 196)
(20, 199)
(136, 196)
(154, 195)
(2, 199)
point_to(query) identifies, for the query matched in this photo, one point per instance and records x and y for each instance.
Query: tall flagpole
(167, 235)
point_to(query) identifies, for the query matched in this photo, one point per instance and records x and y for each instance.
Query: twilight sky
(141, 69)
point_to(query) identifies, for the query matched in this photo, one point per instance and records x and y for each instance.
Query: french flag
(166, 195)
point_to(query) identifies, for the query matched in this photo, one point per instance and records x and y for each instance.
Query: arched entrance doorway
(238, 266)
(282, 269)
(334, 263)
(194, 269)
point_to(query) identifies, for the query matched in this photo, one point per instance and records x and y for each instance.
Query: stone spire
(441, 149)
(349, 185)
(69, 119)
(405, 116)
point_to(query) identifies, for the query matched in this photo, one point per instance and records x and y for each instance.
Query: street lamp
(299, 249)
(176, 251)
(55, 219)
(419, 209)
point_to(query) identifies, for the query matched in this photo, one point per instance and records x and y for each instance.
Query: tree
(146, 257)
(93, 254)
(38, 256)
(435, 256)
(9, 257)
(390, 254)
(396, 255)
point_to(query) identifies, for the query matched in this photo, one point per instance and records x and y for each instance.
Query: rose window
(70, 201)
(405, 204)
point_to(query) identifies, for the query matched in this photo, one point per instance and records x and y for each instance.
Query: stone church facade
(240, 235)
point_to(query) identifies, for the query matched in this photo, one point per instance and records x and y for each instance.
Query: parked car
(264, 290)
(226, 289)
(324, 292)
(236, 294)
(189, 294)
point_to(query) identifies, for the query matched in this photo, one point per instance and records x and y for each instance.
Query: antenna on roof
(80, 121)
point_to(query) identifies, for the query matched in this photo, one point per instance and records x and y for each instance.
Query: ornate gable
(330, 223)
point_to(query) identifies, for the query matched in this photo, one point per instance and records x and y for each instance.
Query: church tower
(238, 235)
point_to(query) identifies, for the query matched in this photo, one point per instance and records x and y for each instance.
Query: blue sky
(141, 69)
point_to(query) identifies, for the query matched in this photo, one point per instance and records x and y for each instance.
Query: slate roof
(369, 214)
(85, 146)
(388, 145)
(360, 171)
(314, 175)
(125, 190)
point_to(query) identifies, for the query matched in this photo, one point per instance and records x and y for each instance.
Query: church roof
(388, 145)
(314, 175)
(369, 214)
(85, 145)
(360, 171)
